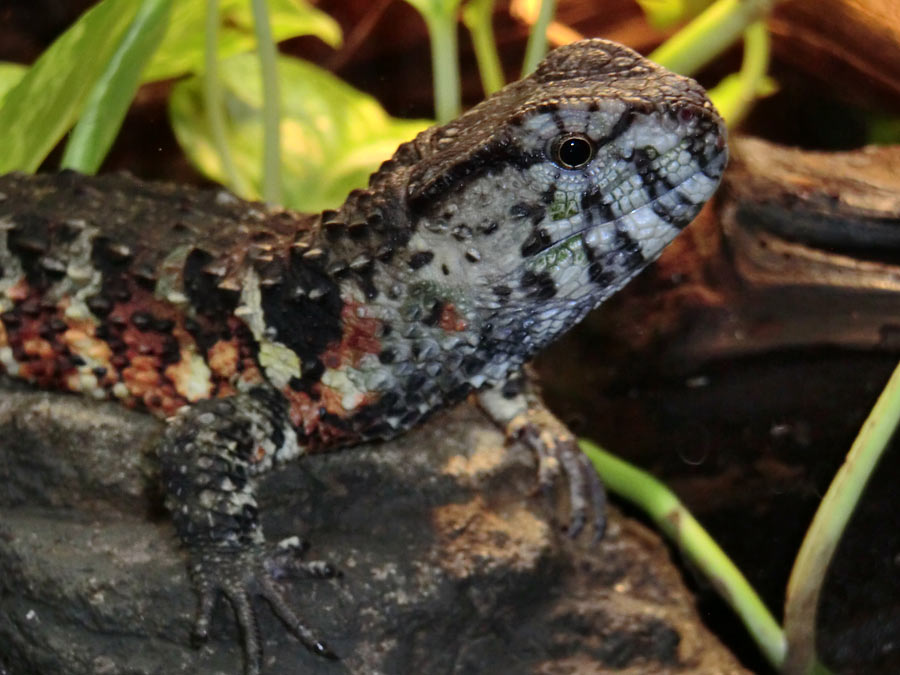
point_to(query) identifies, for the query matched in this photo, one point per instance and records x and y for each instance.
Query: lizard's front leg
(517, 407)
(209, 456)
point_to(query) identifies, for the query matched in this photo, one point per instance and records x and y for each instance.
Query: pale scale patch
(10, 365)
(600, 238)
(698, 187)
(82, 280)
(279, 361)
(600, 123)
(9, 263)
(191, 376)
(170, 271)
(290, 448)
(351, 396)
(94, 353)
(649, 132)
(650, 231)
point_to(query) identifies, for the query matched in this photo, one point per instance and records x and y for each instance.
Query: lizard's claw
(244, 574)
(558, 453)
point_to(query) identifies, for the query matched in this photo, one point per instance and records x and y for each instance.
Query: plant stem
(537, 41)
(824, 534)
(681, 527)
(444, 62)
(709, 34)
(268, 61)
(734, 95)
(214, 104)
(477, 15)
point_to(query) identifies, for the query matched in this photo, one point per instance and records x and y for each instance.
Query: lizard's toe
(275, 597)
(587, 496)
(559, 457)
(245, 574)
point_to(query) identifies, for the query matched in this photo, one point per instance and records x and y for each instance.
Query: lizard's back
(136, 304)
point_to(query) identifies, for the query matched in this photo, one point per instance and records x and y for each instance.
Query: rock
(450, 562)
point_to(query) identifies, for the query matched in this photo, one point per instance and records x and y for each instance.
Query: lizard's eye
(571, 151)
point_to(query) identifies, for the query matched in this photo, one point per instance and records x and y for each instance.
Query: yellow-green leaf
(44, 104)
(111, 96)
(182, 48)
(10, 74)
(663, 14)
(333, 135)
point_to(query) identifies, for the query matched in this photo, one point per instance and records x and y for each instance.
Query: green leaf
(290, 18)
(37, 111)
(663, 14)
(10, 74)
(182, 48)
(333, 136)
(435, 8)
(112, 94)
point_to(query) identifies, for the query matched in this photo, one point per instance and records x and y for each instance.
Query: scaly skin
(263, 334)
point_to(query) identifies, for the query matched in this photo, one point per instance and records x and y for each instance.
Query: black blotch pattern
(434, 314)
(312, 373)
(365, 279)
(606, 268)
(634, 257)
(202, 288)
(307, 326)
(595, 209)
(513, 386)
(538, 285)
(420, 259)
(538, 241)
(29, 240)
(667, 216)
(523, 210)
(652, 179)
(620, 127)
(496, 156)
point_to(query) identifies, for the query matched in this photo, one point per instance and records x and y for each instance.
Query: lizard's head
(562, 186)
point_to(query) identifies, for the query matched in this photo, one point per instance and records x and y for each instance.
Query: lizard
(261, 335)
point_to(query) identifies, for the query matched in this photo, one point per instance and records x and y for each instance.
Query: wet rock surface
(451, 563)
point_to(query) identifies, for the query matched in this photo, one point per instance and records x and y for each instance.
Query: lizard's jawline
(594, 225)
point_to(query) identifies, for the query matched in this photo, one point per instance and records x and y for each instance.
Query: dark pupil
(574, 152)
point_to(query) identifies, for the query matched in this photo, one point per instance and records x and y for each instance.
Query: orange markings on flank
(223, 358)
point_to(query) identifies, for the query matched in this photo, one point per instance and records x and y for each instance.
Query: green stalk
(477, 16)
(682, 528)
(711, 33)
(271, 188)
(821, 540)
(214, 101)
(734, 95)
(444, 62)
(537, 41)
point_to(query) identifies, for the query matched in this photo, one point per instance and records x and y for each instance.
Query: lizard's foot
(242, 575)
(559, 456)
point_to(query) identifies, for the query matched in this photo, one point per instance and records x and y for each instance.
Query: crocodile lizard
(261, 334)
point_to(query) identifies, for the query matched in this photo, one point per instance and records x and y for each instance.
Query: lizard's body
(264, 334)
